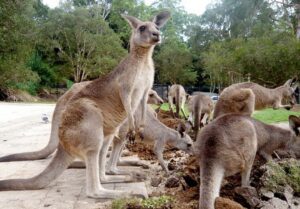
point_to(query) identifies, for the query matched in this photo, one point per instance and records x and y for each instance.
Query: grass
(267, 115)
(274, 116)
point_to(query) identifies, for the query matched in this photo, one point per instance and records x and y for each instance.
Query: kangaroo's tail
(211, 176)
(59, 163)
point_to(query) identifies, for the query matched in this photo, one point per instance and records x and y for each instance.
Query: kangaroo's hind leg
(102, 163)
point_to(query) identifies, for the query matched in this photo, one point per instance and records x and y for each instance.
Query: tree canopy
(232, 41)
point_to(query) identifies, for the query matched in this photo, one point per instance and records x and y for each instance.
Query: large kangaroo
(265, 97)
(228, 145)
(200, 107)
(92, 116)
(177, 96)
(156, 132)
(153, 98)
(235, 100)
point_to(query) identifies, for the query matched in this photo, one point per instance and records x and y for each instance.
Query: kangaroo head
(289, 90)
(184, 141)
(146, 34)
(154, 98)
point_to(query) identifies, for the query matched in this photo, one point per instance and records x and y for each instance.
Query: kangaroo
(177, 96)
(156, 132)
(200, 107)
(265, 97)
(228, 145)
(235, 100)
(153, 98)
(93, 116)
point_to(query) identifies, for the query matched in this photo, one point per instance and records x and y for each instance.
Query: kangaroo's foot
(107, 194)
(136, 176)
(116, 179)
(133, 163)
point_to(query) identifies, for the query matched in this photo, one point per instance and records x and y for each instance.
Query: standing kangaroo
(156, 132)
(92, 116)
(153, 98)
(200, 107)
(177, 96)
(228, 145)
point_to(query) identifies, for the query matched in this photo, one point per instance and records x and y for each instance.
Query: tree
(17, 32)
(174, 63)
(82, 43)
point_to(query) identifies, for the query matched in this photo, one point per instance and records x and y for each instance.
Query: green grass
(273, 116)
(267, 115)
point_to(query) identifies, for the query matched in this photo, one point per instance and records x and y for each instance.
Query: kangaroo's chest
(142, 83)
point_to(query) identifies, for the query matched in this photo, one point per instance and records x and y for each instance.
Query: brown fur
(235, 100)
(102, 106)
(228, 146)
(53, 142)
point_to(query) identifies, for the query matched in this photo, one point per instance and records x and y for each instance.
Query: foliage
(79, 42)
(84, 39)
(161, 202)
(280, 174)
(277, 54)
(174, 63)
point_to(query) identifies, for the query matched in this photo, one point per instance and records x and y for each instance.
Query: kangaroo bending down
(153, 98)
(156, 132)
(200, 107)
(235, 100)
(228, 145)
(265, 97)
(92, 117)
(177, 96)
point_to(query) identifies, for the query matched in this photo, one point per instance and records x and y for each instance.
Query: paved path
(22, 129)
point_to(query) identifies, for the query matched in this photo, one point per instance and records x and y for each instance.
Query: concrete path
(22, 129)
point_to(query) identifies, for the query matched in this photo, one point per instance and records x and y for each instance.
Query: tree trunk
(297, 9)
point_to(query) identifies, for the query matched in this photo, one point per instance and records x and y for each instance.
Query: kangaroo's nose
(155, 34)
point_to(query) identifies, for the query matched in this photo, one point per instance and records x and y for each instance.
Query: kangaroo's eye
(142, 28)
(151, 95)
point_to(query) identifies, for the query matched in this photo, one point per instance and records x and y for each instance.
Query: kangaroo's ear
(294, 122)
(133, 21)
(161, 18)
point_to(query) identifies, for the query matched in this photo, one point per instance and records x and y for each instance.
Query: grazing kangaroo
(93, 116)
(177, 96)
(235, 100)
(265, 97)
(228, 145)
(156, 132)
(200, 107)
(153, 98)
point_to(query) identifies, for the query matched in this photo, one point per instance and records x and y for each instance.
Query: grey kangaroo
(156, 132)
(153, 98)
(93, 116)
(228, 145)
(200, 107)
(177, 96)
